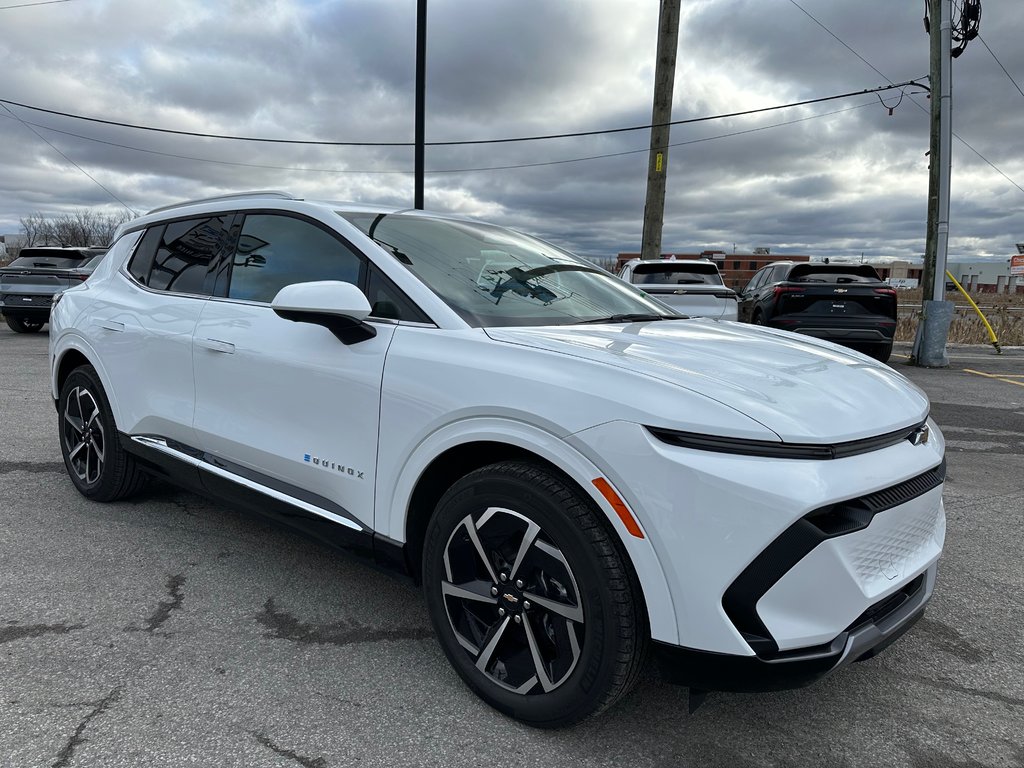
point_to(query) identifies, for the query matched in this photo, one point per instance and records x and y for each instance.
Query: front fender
(396, 485)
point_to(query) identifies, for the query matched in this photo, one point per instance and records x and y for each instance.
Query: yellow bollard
(988, 326)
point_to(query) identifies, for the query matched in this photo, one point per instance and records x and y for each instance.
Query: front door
(286, 404)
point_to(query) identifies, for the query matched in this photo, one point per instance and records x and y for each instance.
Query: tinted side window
(189, 255)
(142, 261)
(756, 281)
(388, 301)
(274, 251)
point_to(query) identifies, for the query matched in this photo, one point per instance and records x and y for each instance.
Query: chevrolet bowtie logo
(512, 599)
(920, 436)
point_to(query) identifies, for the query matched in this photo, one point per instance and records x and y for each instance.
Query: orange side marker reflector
(619, 506)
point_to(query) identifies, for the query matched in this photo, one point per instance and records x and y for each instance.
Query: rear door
(142, 325)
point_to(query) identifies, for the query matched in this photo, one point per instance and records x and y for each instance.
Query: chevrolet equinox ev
(578, 477)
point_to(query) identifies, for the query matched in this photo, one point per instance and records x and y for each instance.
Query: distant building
(900, 272)
(736, 268)
(989, 276)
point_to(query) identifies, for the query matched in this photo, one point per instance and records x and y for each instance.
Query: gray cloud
(833, 185)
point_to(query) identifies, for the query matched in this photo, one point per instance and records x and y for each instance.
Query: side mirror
(339, 307)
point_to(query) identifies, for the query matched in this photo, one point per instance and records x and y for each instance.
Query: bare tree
(80, 228)
(106, 225)
(33, 227)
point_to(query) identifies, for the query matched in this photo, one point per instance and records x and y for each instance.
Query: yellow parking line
(897, 354)
(996, 377)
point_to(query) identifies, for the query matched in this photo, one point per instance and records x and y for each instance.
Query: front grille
(855, 514)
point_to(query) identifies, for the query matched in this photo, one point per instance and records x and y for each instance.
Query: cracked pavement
(171, 631)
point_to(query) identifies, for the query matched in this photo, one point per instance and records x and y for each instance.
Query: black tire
(883, 353)
(758, 318)
(586, 628)
(97, 464)
(23, 324)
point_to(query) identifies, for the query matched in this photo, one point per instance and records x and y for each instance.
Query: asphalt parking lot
(170, 631)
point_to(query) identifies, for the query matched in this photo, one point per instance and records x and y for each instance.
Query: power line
(647, 149)
(840, 41)
(449, 170)
(1001, 65)
(89, 175)
(912, 101)
(29, 5)
(576, 134)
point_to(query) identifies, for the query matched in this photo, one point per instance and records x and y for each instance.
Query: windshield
(661, 273)
(493, 276)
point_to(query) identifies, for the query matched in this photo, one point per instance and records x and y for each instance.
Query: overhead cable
(576, 134)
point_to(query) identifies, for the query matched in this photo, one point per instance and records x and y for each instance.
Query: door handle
(111, 325)
(217, 345)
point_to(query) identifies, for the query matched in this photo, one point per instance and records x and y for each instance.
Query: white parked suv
(692, 287)
(576, 476)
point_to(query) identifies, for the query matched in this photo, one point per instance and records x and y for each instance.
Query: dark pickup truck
(844, 303)
(29, 283)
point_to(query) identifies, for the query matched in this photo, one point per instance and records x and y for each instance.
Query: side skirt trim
(203, 462)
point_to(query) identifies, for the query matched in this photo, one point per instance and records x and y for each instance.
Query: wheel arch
(444, 458)
(72, 354)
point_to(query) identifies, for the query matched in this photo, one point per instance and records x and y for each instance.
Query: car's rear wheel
(882, 353)
(531, 596)
(23, 324)
(99, 467)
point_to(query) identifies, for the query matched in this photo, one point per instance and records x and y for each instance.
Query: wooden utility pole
(664, 82)
(936, 313)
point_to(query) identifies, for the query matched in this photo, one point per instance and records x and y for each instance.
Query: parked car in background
(29, 283)
(844, 303)
(574, 473)
(691, 287)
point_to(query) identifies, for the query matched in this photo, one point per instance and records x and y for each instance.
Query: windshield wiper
(636, 317)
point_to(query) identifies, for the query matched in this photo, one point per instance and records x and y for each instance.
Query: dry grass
(1004, 311)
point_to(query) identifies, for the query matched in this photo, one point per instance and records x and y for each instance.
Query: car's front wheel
(23, 324)
(531, 595)
(99, 467)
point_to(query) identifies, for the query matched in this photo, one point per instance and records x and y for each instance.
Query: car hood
(803, 390)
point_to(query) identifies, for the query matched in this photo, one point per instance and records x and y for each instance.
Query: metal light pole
(421, 87)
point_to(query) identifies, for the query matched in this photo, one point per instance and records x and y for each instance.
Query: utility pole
(421, 87)
(664, 82)
(937, 313)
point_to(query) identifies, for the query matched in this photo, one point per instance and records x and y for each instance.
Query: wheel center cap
(511, 600)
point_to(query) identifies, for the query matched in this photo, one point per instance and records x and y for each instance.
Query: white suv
(576, 476)
(691, 287)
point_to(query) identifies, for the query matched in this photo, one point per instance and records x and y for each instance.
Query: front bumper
(764, 556)
(868, 636)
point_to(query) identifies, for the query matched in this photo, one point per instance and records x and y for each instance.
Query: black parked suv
(29, 283)
(844, 303)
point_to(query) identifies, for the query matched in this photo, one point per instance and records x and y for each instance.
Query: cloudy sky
(839, 178)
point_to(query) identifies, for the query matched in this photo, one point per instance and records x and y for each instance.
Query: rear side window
(274, 251)
(183, 256)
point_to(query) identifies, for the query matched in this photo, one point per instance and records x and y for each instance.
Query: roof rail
(268, 193)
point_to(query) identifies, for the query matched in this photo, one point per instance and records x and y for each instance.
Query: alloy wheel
(512, 601)
(83, 435)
